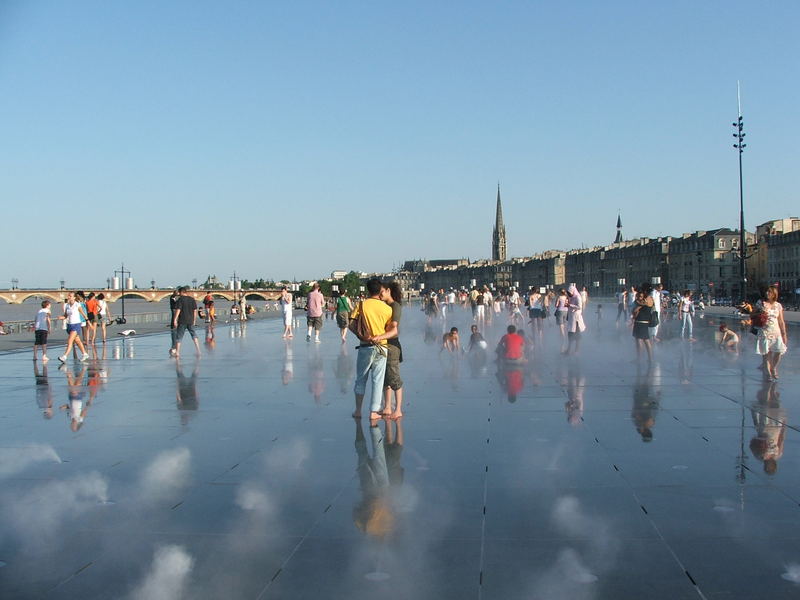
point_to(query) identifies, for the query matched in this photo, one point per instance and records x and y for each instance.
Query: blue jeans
(371, 365)
(686, 319)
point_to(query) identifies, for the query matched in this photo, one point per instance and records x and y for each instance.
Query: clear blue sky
(291, 139)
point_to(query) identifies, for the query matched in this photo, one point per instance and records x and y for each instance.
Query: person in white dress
(772, 339)
(575, 324)
(286, 305)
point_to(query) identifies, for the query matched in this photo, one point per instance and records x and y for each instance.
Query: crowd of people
(375, 318)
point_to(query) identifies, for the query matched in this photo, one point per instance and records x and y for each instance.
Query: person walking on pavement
(316, 304)
(184, 320)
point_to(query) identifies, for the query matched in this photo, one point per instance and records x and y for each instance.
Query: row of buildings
(703, 261)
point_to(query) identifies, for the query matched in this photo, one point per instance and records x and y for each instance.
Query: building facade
(783, 264)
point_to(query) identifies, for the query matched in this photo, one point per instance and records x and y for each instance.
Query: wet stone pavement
(242, 474)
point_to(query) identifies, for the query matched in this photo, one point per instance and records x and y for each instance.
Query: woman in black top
(642, 318)
(392, 382)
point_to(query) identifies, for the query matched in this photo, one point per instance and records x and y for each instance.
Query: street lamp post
(121, 320)
(740, 146)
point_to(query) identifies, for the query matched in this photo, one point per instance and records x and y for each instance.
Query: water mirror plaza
(241, 474)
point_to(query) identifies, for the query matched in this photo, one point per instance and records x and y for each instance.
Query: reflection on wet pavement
(242, 475)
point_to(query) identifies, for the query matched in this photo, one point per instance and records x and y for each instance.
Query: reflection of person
(316, 375)
(186, 396)
(44, 395)
(686, 362)
(770, 423)
(576, 384)
(344, 368)
(287, 373)
(75, 406)
(211, 339)
(393, 447)
(373, 515)
(645, 407)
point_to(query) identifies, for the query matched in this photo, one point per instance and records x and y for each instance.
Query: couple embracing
(379, 353)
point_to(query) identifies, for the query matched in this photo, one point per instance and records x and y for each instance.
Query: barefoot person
(104, 314)
(772, 339)
(451, 341)
(185, 318)
(74, 314)
(41, 330)
(343, 309)
(392, 382)
(371, 361)
(286, 307)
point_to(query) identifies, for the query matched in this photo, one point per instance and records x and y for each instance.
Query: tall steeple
(499, 233)
(619, 229)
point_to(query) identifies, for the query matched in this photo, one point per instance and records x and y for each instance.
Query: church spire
(619, 229)
(499, 233)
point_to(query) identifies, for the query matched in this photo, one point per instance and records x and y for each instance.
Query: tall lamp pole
(740, 146)
(122, 271)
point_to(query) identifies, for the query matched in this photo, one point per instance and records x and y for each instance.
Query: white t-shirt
(73, 313)
(41, 319)
(103, 307)
(656, 296)
(451, 298)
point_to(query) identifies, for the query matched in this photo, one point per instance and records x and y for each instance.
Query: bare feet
(398, 414)
(356, 415)
(374, 416)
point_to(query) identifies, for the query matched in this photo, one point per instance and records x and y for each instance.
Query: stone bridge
(151, 295)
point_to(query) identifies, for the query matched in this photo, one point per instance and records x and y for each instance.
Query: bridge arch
(19, 298)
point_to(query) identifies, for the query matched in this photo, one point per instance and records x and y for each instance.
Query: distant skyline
(287, 141)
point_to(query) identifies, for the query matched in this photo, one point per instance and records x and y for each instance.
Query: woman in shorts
(392, 382)
(74, 314)
(104, 313)
(342, 308)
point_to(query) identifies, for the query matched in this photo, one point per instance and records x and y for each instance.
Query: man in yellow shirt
(371, 360)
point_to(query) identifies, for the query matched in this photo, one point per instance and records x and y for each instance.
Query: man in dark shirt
(184, 320)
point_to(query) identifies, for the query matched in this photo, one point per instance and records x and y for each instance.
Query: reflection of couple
(378, 474)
